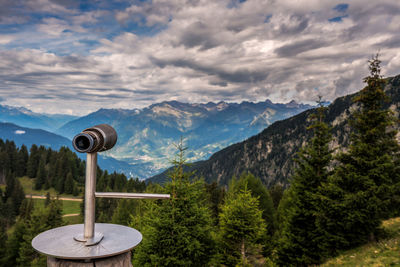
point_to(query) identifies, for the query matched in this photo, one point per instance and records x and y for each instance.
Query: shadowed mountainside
(269, 154)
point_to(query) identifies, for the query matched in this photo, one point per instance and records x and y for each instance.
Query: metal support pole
(90, 200)
(131, 195)
(90, 237)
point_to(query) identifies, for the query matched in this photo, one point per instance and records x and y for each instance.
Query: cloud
(297, 47)
(130, 54)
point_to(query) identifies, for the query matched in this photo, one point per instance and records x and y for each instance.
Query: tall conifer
(300, 241)
(362, 190)
(177, 232)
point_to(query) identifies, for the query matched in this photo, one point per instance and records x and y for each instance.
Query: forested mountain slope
(269, 154)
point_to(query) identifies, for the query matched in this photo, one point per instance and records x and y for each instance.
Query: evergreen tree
(33, 162)
(177, 232)
(26, 209)
(69, 184)
(276, 192)
(54, 214)
(216, 199)
(11, 150)
(300, 238)
(4, 162)
(241, 229)
(259, 191)
(363, 189)
(3, 240)
(125, 208)
(21, 161)
(41, 174)
(14, 243)
(14, 193)
(40, 221)
(48, 199)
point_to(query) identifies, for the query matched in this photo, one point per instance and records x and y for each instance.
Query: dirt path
(60, 198)
(70, 215)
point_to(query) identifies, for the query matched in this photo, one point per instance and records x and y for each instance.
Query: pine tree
(41, 174)
(300, 238)
(14, 243)
(241, 229)
(3, 240)
(69, 184)
(40, 221)
(362, 190)
(259, 191)
(216, 199)
(14, 193)
(33, 162)
(34, 226)
(54, 214)
(276, 192)
(125, 208)
(177, 232)
(21, 161)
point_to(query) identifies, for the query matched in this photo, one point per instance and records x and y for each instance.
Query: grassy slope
(385, 252)
(69, 207)
(28, 186)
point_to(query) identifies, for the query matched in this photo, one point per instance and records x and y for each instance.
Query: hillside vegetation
(385, 252)
(269, 155)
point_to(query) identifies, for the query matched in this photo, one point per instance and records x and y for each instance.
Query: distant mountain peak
(292, 104)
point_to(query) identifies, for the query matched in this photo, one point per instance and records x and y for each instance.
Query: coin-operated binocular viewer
(92, 241)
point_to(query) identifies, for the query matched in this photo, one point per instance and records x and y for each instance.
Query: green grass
(385, 252)
(69, 207)
(73, 219)
(28, 184)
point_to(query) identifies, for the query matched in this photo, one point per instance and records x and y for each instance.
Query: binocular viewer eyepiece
(98, 138)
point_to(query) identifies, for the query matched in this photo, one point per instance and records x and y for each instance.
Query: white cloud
(5, 39)
(198, 51)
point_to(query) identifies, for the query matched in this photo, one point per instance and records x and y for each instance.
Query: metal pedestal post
(92, 244)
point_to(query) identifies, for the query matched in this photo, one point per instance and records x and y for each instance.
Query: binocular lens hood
(98, 138)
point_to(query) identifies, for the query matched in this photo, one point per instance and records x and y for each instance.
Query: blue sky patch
(338, 19)
(341, 7)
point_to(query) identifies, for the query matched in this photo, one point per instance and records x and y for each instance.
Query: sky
(75, 57)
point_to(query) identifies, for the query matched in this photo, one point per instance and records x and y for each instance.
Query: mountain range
(147, 137)
(269, 155)
(26, 118)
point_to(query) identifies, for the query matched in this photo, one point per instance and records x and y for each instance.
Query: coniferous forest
(336, 200)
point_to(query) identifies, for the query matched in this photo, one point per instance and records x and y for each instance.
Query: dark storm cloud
(108, 53)
(198, 34)
(147, 92)
(295, 48)
(295, 25)
(40, 77)
(240, 75)
(218, 83)
(393, 42)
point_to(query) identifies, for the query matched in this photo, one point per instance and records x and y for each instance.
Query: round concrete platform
(60, 243)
